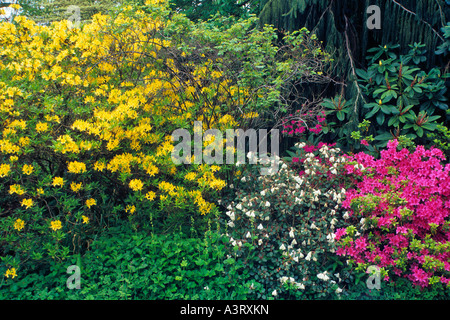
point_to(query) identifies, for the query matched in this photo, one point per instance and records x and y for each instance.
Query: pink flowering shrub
(399, 215)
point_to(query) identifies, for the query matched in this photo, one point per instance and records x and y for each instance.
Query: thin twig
(352, 66)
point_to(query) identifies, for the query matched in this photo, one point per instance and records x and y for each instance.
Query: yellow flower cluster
(4, 170)
(136, 185)
(19, 224)
(58, 182)
(27, 203)
(11, 272)
(27, 169)
(75, 187)
(16, 188)
(41, 126)
(90, 202)
(76, 167)
(55, 225)
(120, 127)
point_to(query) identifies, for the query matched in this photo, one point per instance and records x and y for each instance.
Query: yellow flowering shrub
(86, 117)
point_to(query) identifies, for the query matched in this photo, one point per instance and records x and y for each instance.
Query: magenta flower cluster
(399, 214)
(293, 126)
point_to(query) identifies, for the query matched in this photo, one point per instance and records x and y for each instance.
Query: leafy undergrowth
(123, 264)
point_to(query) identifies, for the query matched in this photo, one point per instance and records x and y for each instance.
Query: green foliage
(122, 264)
(406, 100)
(203, 10)
(444, 48)
(397, 289)
(338, 113)
(441, 139)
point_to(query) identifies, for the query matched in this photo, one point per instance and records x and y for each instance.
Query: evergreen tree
(341, 26)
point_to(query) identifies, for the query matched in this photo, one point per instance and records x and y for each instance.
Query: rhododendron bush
(87, 116)
(399, 215)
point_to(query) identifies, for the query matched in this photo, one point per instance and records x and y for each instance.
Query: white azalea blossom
(298, 180)
(330, 237)
(291, 233)
(308, 256)
(323, 276)
(250, 214)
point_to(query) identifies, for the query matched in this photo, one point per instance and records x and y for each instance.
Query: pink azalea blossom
(400, 182)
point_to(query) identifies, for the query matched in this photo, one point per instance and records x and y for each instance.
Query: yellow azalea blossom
(91, 202)
(136, 185)
(150, 195)
(251, 115)
(76, 167)
(19, 224)
(99, 166)
(167, 187)
(40, 191)
(76, 186)
(55, 225)
(9, 132)
(4, 170)
(130, 209)
(15, 188)
(13, 158)
(58, 181)
(15, 6)
(11, 273)
(85, 219)
(27, 203)
(24, 141)
(19, 124)
(190, 176)
(152, 170)
(8, 147)
(41, 126)
(27, 169)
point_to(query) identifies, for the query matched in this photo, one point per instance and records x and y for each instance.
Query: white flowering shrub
(282, 225)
